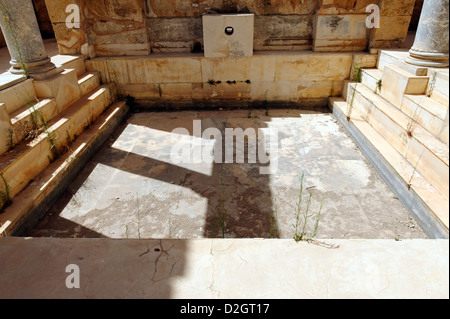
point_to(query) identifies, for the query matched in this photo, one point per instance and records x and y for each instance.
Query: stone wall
(301, 78)
(138, 27)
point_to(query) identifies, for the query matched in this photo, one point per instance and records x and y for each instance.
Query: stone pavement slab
(224, 268)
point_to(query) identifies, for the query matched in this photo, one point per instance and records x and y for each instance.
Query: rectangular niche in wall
(226, 35)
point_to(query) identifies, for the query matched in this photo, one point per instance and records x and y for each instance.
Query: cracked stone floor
(132, 188)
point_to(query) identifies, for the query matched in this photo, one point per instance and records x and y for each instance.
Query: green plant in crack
(351, 104)
(378, 86)
(52, 139)
(409, 184)
(357, 73)
(432, 84)
(5, 197)
(10, 137)
(303, 216)
(413, 121)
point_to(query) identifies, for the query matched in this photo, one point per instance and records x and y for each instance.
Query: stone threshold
(223, 268)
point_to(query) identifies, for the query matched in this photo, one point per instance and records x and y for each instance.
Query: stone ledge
(218, 268)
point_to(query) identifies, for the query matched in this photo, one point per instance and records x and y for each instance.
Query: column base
(38, 70)
(428, 59)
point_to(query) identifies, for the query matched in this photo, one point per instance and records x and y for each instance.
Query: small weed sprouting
(302, 216)
(52, 139)
(5, 196)
(432, 84)
(378, 86)
(412, 124)
(352, 101)
(248, 81)
(357, 73)
(409, 184)
(10, 134)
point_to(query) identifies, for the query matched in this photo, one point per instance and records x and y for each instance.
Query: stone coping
(223, 268)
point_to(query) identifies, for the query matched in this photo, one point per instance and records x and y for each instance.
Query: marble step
(88, 81)
(30, 204)
(27, 159)
(429, 113)
(31, 117)
(416, 193)
(409, 138)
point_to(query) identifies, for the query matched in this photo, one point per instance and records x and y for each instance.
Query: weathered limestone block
(395, 8)
(64, 88)
(340, 33)
(313, 67)
(5, 129)
(183, 8)
(395, 21)
(175, 34)
(283, 32)
(117, 28)
(264, 76)
(70, 41)
(338, 7)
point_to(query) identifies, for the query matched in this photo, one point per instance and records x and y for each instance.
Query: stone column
(430, 47)
(23, 38)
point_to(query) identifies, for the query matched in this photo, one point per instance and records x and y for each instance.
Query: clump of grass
(303, 216)
(10, 134)
(350, 105)
(432, 84)
(5, 196)
(378, 86)
(409, 184)
(412, 124)
(357, 73)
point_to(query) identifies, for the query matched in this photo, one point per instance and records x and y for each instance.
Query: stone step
(31, 117)
(6, 128)
(15, 165)
(429, 113)
(419, 196)
(29, 205)
(397, 57)
(75, 62)
(372, 79)
(88, 81)
(410, 139)
(18, 95)
(34, 268)
(397, 82)
(438, 88)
